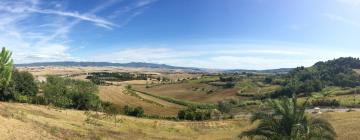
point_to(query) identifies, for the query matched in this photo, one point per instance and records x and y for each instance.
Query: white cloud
(52, 52)
(236, 56)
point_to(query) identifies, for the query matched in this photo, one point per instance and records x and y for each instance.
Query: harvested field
(191, 92)
(346, 124)
(115, 95)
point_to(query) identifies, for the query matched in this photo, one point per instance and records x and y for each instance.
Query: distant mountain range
(106, 64)
(146, 65)
(269, 71)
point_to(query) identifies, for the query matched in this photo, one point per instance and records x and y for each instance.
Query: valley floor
(24, 121)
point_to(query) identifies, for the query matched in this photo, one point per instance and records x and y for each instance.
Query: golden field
(24, 121)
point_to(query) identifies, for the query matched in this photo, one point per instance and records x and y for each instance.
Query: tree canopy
(338, 72)
(71, 93)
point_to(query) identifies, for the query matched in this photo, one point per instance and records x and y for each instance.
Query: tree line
(21, 86)
(338, 72)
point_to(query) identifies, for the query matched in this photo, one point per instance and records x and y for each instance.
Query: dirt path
(333, 110)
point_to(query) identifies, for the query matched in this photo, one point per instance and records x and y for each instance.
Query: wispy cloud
(342, 19)
(85, 17)
(133, 10)
(38, 31)
(65, 29)
(92, 18)
(350, 2)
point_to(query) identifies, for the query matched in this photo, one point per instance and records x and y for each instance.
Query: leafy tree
(337, 72)
(224, 107)
(137, 111)
(110, 110)
(70, 93)
(6, 66)
(24, 83)
(268, 80)
(193, 114)
(288, 121)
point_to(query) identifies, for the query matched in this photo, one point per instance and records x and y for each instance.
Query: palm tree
(6, 67)
(288, 121)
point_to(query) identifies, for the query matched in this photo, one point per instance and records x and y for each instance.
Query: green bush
(109, 108)
(24, 83)
(68, 93)
(268, 80)
(224, 107)
(22, 98)
(136, 112)
(194, 114)
(21, 88)
(39, 100)
(325, 102)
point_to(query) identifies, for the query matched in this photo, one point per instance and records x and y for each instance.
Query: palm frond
(288, 121)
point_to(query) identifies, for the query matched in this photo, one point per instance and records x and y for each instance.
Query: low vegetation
(194, 114)
(288, 121)
(137, 111)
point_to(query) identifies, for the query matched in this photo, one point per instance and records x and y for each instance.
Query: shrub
(22, 98)
(137, 111)
(39, 100)
(268, 80)
(325, 102)
(194, 114)
(68, 93)
(229, 85)
(224, 107)
(62, 101)
(21, 88)
(109, 108)
(24, 83)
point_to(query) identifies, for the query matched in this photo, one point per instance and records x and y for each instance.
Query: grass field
(115, 95)
(346, 124)
(195, 92)
(41, 122)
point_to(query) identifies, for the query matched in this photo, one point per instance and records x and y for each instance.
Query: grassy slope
(346, 124)
(23, 121)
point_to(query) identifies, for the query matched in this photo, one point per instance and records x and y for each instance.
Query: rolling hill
(151, 65)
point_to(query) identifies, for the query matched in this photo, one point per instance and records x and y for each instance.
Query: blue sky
(226, 34)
